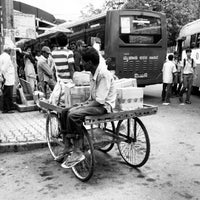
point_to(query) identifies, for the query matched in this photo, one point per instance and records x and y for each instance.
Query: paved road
(172, 172)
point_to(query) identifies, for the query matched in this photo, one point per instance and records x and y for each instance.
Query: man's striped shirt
(62, 58)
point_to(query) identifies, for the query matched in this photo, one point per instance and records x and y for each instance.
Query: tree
(90, 10)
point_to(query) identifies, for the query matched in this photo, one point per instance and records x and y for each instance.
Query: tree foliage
(90, 10)
(178, 12)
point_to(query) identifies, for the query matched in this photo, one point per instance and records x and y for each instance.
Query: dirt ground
(171, 173)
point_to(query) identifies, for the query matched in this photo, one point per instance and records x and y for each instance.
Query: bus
(189, 37)
(133, 42)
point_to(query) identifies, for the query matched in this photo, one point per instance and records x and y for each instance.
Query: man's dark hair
(188, 50)
(73, 43)
(90, 54)
(62, 39)
(170, 57)
(80, 43)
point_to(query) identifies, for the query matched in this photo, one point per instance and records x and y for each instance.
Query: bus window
(96, 43)
(186, 43)
(140, 29)
(193, 41)
(198, 40)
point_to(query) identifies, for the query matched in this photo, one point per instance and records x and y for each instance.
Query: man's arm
(101, 92)
(45, 68)
(70, 59)
(103, 88)
(77, 61)
(3, 65)
(194, 68)
(181, 69)
(71, 69)
(174, 70)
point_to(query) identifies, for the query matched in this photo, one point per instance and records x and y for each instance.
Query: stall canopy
(51, 32)
(25, 8)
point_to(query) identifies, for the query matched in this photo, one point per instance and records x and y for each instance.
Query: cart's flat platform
(115, 116)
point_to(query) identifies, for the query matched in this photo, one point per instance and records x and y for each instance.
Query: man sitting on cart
(101, 101)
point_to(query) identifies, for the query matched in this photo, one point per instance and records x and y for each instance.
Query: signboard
(24, 25)
(125, 25)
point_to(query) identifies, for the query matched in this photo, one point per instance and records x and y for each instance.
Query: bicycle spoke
(135, 150)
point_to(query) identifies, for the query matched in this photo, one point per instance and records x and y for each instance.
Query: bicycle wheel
(53, 136)
(84, 170)
(134, 144)
(108, 127)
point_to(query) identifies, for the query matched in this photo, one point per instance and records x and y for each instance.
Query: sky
(63, 9)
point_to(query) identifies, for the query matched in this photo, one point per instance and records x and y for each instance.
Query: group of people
(103, 91)
(63, 62)
(41, 71)
(178, 78)
(60, 63)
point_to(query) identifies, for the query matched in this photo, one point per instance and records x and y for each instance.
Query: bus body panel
(140, 64)
(135, 61)
(189, 37)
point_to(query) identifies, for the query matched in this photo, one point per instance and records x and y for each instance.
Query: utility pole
(7, 17)
(198, 15)
(1, 29)
(8, 30)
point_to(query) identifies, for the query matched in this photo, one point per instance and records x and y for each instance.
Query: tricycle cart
(121, 127)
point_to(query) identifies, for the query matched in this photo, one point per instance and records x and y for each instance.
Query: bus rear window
(140, 29)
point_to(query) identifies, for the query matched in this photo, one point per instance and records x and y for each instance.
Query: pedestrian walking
(188, 73)
(45, 74)
(168, 70)
(7, 71)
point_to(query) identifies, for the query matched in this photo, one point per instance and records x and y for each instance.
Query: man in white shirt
(188, 71)
(101, 101)
(169, 68)
(7, 71)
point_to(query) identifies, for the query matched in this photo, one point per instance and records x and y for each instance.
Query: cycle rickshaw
(123, 128)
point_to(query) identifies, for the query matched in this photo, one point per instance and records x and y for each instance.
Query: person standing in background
(7, 71)
(188, 71)
(168, 70)
(177, 82)
(29, 68)
(45, 74)
(52, 65)
(80, 45)
(64, 59)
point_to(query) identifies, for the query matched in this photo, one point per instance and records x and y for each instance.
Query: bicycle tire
(135, 149)
(84, 170)
(53, 136)
(108, 147)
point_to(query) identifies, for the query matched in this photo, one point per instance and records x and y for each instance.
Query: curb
(16, 147)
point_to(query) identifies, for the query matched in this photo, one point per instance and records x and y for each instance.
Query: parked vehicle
(189, 37)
